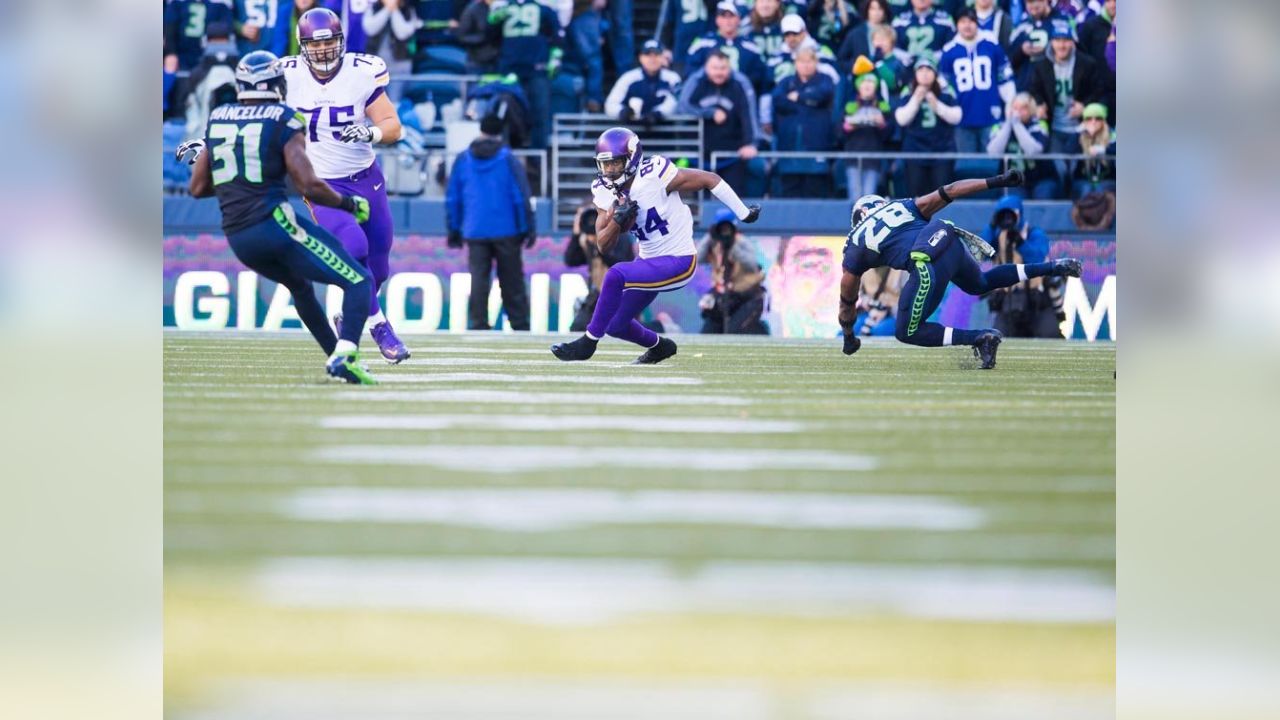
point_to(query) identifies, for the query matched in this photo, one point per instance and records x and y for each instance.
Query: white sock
(377, 317)
(1022, 273)
(946, 333)
(344, 347)
(593, 337)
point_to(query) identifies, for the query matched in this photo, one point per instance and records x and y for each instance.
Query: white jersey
(664, 225)
(331, 106)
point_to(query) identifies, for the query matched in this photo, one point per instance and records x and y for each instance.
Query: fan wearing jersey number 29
(904, 235)
(642, 195)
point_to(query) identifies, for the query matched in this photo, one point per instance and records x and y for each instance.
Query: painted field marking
(632, 423)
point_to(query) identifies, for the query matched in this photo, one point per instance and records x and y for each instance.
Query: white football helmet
(864, 206)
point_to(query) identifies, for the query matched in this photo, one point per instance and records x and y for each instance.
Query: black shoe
(581, 349)
(1066, 267)
(984, 348)
(665, 348)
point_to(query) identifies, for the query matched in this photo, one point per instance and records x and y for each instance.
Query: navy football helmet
(260, 77)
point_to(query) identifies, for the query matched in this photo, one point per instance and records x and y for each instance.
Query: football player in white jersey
(642, 195)
(343, 96)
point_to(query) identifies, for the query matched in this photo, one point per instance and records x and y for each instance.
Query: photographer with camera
(1033, 307)
(736, 301)
(582, 250)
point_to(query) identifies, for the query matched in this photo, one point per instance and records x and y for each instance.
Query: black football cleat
(665, 348)
(1066, 267)
(984, 348)
(581, 349)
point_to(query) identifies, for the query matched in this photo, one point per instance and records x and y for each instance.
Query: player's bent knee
(902, 331)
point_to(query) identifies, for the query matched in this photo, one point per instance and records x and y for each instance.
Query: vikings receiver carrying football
(903, 234)
(251, 145)
(338, 92)
(642, 195)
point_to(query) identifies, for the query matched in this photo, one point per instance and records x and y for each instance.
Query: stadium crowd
(985, 77)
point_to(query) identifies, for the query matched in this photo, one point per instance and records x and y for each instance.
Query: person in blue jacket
(802, 109)
(489, 205)
(1032, 307)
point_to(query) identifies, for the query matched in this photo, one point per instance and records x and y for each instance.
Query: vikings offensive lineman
(337, 92)
(642, 195)
(902, 235)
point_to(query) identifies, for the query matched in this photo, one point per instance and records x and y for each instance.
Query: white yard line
(521, 398)
(631, 423)
(550, 509)
(516, 458)
(480, 377)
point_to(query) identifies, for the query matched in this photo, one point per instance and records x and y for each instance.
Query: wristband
(942, 192)
(726, 195)
(846, 301)
(348, 203)
(377, 134)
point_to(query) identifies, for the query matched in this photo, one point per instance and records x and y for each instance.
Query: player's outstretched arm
(850, 286)
(312, 187)
(201, 177)
(383, 116)
(690, 180)
(930, 204)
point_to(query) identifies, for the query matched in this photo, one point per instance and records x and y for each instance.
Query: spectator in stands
(979, 73)
(795, 36)
(802, 105)
(864, 127)
(482, 39)
(927, 114)
(1030, 40)
(213, 81)
(185, 28)
(531, 49)
(1096, 173)
(260, 25)
(489, 205)
(1096, 35)
(1024, 134)
(892, 63)
(858, 40)
(389, 26)
(993, 22)
(299, 7)
(582, 250)
(688, 21)
(830, 20)
(648, 93)
(621, 37)
(877, 303)
(1064, 85)
(735, 304)
(924, 28)
(586, 49)
(439, 22)
(725, 102)
(744, 55)
(764, 25)
(1111, 48)
(1030, 308)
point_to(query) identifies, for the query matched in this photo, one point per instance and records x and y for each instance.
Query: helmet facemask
(323, 51)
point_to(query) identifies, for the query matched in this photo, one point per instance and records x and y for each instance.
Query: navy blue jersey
(529, 32)
(924, 33)
(884, 238)
(744, 57)
(927, 132)
(186, 23)
(274, 24)
(976, 73)
(246, 146)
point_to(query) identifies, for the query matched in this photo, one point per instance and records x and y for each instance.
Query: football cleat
(348, 368)
(393, 351)
(581, 349)
(665, 348)
(984, 348)
(1066, 267)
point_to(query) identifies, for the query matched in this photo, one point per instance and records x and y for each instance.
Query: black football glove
(753, 214)
(1013, 178)
(851, 343)
(624, 213)
(454, 240)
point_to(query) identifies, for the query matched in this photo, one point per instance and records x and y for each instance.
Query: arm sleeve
(668, 105)
(905, 114)
(453, 194)
(950, 112)
(613, 103)
(375, 19)
(1014, 43)
(819, 93)
(686, 106)
(404, 23)
(1000, 138)
(521, 176)
(1026, 141)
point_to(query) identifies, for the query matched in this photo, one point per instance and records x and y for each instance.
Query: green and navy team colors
(898, 236)
(246, 146)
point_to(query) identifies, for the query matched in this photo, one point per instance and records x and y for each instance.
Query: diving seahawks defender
(251, 145)
(642, 195)
(338, 91)
(902, 235)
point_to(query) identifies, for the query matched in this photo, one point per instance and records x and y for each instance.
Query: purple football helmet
(617, 144)
(316, 29)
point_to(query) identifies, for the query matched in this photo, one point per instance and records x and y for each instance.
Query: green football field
(757, 528)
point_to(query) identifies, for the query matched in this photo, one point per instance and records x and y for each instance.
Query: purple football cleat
(388, 344)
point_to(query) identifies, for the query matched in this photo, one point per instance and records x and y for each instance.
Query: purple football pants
(368, 242)
(627, 290)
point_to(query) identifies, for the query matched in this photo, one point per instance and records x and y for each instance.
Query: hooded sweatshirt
(488, 196)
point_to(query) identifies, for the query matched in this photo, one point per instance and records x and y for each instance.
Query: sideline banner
(206, 288)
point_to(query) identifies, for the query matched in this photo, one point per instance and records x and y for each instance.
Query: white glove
(357, 133)
(194, 147)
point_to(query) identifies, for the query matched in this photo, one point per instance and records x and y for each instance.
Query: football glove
(851, 343)
(357, 206)
(357, 133)
(1013, 178)
(753, 214)
(194, 147)
(624, 213)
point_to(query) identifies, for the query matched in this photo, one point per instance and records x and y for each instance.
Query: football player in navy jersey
(905, 235)
(252, 144)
